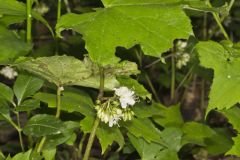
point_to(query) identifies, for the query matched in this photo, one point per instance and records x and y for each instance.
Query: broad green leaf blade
(172, 137)
(23, 156)
(49, 154)
(25, 86)
(6, 92)
(235, 150)
(67, 132)
(233, 116)
(146, 150)
(171, 116)
(28, 105)
(5, 111)
(60, 70)
(143, 127)
(220, 142)
(8, 40)
(196, 133)
(135, 86)
(71, 102)
(143, 110)
(213, 55)
(107, 136)
(167, 155)
(149, 24)
(43, 125)
(87, 124)
(67, 70)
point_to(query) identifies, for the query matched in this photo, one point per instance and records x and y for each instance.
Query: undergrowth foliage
(89, 86)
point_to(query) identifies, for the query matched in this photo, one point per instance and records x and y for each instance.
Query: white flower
(114, 120)
(126, 96)
(182, 60)
(181, 45)
(8, 72)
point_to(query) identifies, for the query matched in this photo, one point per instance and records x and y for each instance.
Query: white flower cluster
(182, 56)
(126, 96)
(8, 72)
(116, 108)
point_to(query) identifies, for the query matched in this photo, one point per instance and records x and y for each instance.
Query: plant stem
(29, 21)
(173, 78)
(58, 105)
(97, 120)
(91, 139)
(58, 100)
(20, 132)
(218, 20)
(152, 87)
(59, 9)
(67, 6)
(80, 147)
(40, 146)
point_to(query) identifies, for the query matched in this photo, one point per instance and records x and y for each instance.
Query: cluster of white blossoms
(8, 72)
(118, 107)
(182, 56)
(41, 8)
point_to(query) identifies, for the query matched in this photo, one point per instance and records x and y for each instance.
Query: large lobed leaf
(226, 83)
(67, 70)
(124, 23)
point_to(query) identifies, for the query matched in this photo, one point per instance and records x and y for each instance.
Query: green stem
(218, 20)
(59, 9)
(58, 105)
(97, 120)
(91, 139)
(152, 87)
(173, 78)
(29, 21)
(80, 147)
(20, 132)
(40, 146)
(67, 6)
(58, 100)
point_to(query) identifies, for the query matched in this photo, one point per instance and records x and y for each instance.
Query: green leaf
(143, 127)
(87, 124)
(43, 125)
(235, 150)
(60, 70)
(119, 24)
(196, 133)
(15, 12)
(172, 137)
(146, 150)
(25, 86)
(233, 117)
(71, 101)
(107, 136)
(68, 128)
(171, 116)
(213, 55)
(220, 142)
(28, 105)
(23, 155)
(8, 40)
(143, 110)
(167, 155)
(49, 154)
(135, 86)
(6, 92)
(5, 110)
